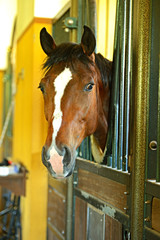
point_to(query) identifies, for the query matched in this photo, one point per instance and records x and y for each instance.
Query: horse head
(74, 99)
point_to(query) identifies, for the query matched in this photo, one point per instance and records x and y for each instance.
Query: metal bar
(121, 100)
(104, 207)
(115, 135)
(113, 126)
(158, 131)
(141, 63)
(89, 149)
(93, 16)
(69, 208)
(153, 91)
(73, 13)
(116, 107)
(127, 91)
(104, 171)
(79, 33)
(85, 11)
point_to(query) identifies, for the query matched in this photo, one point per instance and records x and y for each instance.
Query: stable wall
(29, 129)
(106, 12)
(1, 107)
(28, 10)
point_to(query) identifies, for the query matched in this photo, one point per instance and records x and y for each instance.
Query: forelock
(67, 53)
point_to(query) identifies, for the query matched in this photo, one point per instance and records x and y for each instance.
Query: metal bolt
(63, 232)
(66, 30)
(153, 145)
(125, 208)
(126, 193)
(147, 219)
(70, 21)
(147, 202)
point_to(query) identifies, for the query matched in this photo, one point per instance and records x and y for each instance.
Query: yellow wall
(25, 14)
(29, 130)
(106, 10)
(1, 104)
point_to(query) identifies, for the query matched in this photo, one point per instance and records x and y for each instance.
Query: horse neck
(100, 134)
(104, 67)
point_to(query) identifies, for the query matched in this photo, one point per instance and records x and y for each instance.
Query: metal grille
(119, 122)
(118, 137)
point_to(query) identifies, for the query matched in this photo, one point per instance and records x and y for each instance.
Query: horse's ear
(88, 41)
(47, 42)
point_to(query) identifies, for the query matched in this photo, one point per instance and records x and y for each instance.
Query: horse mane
(68, 52)
(105, 68)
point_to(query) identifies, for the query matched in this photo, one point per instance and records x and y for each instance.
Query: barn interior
(118, 199)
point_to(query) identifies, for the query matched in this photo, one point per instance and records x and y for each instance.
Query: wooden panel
(59, 185)
(156, 214)
(80, 219)
(113, 230)
(52, 235)
(95, 223)
(56, 210)
(103, 188)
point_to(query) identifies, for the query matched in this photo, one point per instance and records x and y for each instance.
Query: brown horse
(76, 100)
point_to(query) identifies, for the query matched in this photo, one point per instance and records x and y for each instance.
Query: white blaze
(60, 84)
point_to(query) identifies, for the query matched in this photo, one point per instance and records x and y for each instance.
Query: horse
(76, 92)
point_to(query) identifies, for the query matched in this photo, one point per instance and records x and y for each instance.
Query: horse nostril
(45, 154)
(67, 156)
(44, 157)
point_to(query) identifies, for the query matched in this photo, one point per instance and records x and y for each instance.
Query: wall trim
(35, 20)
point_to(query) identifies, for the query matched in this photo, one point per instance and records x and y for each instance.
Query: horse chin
(59, 166)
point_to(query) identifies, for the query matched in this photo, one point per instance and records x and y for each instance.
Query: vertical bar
(69, 207)
(141, 63)
(113, 127)
(158, 131)
(153, 89)
(93, 16)
(85, 12)
(90, 152)
(127, 93)
(121, 100)
(79, 33)
(116, 106)
(73, 13)
(115, 137)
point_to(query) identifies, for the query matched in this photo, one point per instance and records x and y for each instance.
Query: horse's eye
(89, 87)
(41, 88)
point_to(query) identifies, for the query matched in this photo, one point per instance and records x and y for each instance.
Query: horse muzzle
(61, 163)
